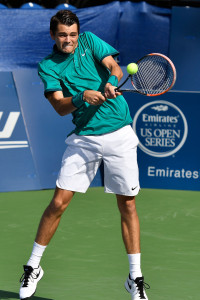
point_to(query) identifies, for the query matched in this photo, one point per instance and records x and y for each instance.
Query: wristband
(113, 80)
(77, 100)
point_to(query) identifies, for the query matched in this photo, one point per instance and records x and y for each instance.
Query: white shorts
(84, 154)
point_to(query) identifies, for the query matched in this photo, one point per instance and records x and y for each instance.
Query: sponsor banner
(17, 169)
(167, 129)
(32, 137)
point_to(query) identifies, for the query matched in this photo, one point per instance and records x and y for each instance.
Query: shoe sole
(38, 279)
(127, 287)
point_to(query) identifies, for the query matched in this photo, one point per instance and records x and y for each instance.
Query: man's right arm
(64, 105)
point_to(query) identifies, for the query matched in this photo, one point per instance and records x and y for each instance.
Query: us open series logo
(161, 128)
(7, 131)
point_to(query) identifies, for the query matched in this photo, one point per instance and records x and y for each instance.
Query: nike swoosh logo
(134, 188)
(83, 54)
(38, 274)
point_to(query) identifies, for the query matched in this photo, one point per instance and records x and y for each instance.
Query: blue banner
(32, 137)
(167, 130)
(17, 169)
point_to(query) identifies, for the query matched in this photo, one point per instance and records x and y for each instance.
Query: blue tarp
(135, 29)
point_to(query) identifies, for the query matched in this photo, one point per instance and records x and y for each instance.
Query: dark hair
(65, 17)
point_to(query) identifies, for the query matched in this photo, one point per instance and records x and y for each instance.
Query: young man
(80, 77)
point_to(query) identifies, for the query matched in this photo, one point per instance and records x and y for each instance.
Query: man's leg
(130, 223)
(52, 216)
(49, 223)
(131, 237)
(47, 227)
(130, 232)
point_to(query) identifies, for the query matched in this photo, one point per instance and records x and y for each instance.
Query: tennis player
(80, 77)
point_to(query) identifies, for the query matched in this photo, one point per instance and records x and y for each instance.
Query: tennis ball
(132, 68)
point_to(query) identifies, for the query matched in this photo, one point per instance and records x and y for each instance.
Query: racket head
(156, 75)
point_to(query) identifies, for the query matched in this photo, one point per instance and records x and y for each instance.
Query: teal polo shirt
(82, 70)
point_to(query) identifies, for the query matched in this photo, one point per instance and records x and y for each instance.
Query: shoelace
(141, 286)
(26, 276)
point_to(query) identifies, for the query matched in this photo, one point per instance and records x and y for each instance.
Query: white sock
(135, 265)
(36, 255)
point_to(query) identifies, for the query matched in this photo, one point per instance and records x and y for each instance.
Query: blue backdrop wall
(31, 133)
(133, 28)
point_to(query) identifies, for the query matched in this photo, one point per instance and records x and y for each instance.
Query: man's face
(66, 38)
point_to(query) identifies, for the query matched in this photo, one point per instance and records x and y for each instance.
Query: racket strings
(155, 75)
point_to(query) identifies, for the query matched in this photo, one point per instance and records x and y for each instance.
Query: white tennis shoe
(29, 281)
(137, 288)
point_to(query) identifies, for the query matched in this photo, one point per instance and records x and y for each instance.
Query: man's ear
(52, 35)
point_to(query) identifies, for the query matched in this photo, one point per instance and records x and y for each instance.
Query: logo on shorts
(6, 130)
(161, 128)
(133, 188)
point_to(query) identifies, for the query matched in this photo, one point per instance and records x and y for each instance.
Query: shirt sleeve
(50, 80)
(100, 48)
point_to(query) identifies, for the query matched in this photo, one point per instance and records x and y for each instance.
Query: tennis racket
(156, 75)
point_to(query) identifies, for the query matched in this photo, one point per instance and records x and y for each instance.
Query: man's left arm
(116, 75)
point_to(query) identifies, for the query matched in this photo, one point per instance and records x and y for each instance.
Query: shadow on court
(10, 295)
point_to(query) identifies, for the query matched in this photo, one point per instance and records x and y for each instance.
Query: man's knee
(126, 205)
(60, 201)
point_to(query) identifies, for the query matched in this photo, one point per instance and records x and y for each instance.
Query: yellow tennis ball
(132, 68)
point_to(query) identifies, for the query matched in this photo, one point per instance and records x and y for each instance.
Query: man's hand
(109, 91)
(93, 97)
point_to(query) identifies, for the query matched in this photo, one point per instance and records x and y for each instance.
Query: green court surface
(86, 258)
